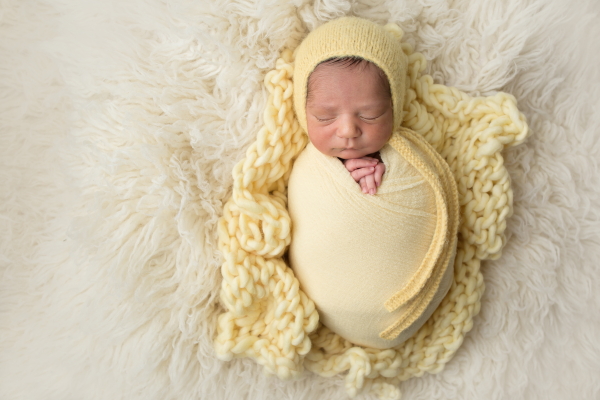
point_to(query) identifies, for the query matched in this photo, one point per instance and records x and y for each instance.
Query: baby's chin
(348, 154)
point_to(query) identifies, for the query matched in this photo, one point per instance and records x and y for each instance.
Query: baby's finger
(378, 174)
(363, 185)
(356, 163)
(370, 181)
(358, 174)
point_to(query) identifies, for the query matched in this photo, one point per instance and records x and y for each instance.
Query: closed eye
(324, 119)
(372, 118)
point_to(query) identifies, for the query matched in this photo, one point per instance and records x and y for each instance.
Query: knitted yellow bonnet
(268, 317)
(351, 36)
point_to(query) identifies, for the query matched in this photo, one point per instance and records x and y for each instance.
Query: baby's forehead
(350, 69)
(344, 64)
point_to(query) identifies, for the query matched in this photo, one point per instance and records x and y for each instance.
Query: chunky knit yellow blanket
(267, 317)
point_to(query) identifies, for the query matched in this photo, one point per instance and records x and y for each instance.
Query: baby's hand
(367, 171)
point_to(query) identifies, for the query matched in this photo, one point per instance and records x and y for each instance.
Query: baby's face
(349, 114)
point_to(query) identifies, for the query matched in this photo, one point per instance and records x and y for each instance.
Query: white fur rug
(120, 123)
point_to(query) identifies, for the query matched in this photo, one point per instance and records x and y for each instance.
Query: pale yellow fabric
(351, 252)
(267, 317)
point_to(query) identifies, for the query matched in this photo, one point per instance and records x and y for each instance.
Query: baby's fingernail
(371, 168)
(364, 190)
(372, 191)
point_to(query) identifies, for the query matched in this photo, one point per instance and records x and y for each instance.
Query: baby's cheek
(320, 140)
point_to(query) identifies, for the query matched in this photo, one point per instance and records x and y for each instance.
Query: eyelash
(329, 119)
(323, 120)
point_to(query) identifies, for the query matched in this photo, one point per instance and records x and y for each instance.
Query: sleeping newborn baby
(378, 265)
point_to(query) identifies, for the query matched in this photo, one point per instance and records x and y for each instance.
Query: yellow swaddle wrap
(268, 317)
(352, 252)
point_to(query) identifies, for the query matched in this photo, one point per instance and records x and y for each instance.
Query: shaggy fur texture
(120, 123)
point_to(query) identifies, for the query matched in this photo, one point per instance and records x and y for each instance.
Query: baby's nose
(348, 129)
